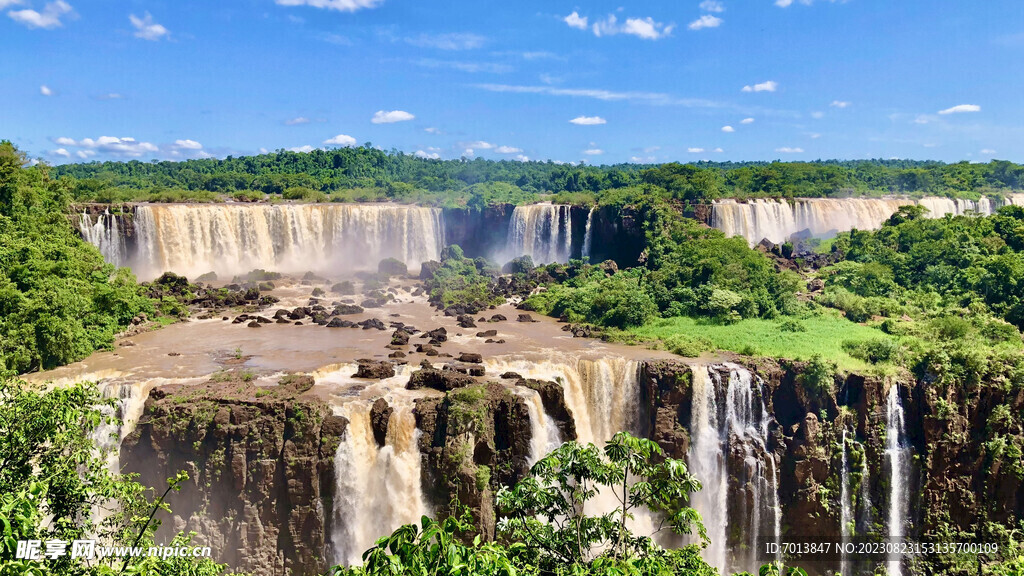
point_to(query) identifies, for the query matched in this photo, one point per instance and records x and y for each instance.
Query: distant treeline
(367, 174)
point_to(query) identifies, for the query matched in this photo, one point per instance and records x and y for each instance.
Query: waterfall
(541, 231)
(896, 452)
(544, 434)
(376, 489)
(778, 220)
(193, 239)
(732, 424)
(864, 518)
(588, 236)
(845, 509)
(105, 234)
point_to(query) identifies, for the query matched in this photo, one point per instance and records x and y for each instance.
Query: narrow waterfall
(733, 423)
(896, 453)
(588, 236)
(105, 233)
(544, 434)
(122, 417)
(822, 217)
(845, 509)
(376, 489)
(193, 239)
(541, 231)
(864, 516)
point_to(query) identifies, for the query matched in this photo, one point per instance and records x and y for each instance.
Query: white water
(899, 470)
(541, 231)
(193, 239)
(104, 233)
(588, 235)
(735, 422)
(845, 509)
(544, 434)
(778, 220)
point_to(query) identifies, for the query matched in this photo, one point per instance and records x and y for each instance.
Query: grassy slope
(825, 336)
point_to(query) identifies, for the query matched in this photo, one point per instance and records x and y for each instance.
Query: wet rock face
(442, 380)
(374, 369)
(380, 414)
(260, 470)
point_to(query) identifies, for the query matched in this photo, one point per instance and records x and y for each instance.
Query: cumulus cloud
(593, 152)
(341, 140)
(390, 117)
(146, 28)
(112, 145)
(719, 150)
(508, 150)
(296, 121)
(961, 108)
(645, 28)
(706, 21)
(48, 19)
(303, 149)
(574, 20)
(588, 121)
(728, 129)
(62, 152)
(694, 150)
(988, 151)
(83, 154)
(839, 104)
(188, 145)
(45, 90)
(480, 145)
(712, 6)
(339, 5)
(788, 150)
(427, 155)
(6, 3)
(521, 158)
(769, 86)
(747, 121)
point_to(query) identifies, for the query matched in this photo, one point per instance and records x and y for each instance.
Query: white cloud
(588, 121)
(817, 115)
(922, 119)
(712, 6)
(303, 149)
(788, 150)
(341, 140)
(719, 150)
(706, 21)
(48, 19)
(427, 155)
(788, 3)
(961, 108)
(769, 86)
(593, 152)
(382, 117)
(452, 41)
(110, 96)
(296, 121)
(988, 151)
(188, 145)
(695, 150)
(521, 158)
(574, 20)
(146, 28)
(839, 104)
(728, 129)
(508, 150)
(814, 135)
(471, 67)
(62, 152)
(340, 5)
(83, 154)
(469, 152)
(648, 29)
(643, 159)
(480, 144)
(655, 98)
(747, 121)
(6, 3)
(432, 130)
(111, 145)
(45, 90)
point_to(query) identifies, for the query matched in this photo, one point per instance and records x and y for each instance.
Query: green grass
(825, 335)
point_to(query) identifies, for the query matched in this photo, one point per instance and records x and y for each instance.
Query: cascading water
(896, 453)
(588, 235)
(541, 231)
(105, 233)
(845, 508)
(778, 220)
(377, 489)
(234, 238)
(544, 434)
(732, 423)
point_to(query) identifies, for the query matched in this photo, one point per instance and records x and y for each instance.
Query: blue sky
(603, 82)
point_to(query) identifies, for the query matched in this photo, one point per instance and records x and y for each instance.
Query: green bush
(690, 347)
(392, 267)
(875, 351)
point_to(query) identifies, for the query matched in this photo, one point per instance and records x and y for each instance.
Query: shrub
(392, 267)
(819, 376)
(875, 350)
(687, 346)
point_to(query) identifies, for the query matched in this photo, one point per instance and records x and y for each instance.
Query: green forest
(368, 174)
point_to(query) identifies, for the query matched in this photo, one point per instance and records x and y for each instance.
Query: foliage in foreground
(55, 484)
